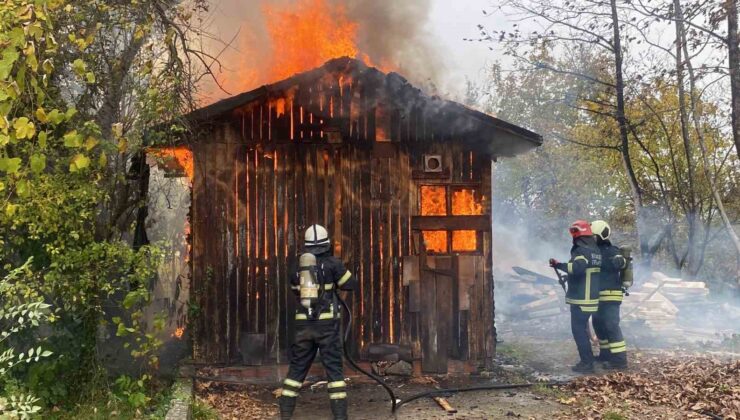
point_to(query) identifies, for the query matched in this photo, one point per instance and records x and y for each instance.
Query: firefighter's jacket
(612, 264)
(583, 274)
(334, 276)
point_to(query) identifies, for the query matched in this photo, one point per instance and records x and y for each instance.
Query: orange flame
(303, 34)
(308, 35)
(179, 157)
(434, 203)
(179, 331)
(465, 204)
(433, 200)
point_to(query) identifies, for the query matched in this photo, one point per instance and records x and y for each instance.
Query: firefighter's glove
(553, 263)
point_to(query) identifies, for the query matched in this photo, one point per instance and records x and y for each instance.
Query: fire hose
(561, 279)
(396, 403)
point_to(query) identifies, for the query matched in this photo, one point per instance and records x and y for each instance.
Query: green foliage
(19, 406)
(80, 84)
(132, 391)
(17, 318)
(203, 411)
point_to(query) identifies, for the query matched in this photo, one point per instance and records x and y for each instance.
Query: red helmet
(580, 228)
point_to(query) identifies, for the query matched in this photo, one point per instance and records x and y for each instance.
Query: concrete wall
(167, 226)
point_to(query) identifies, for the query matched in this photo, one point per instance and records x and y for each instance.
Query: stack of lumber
(530, 295)
(654, 308)
(659, 302)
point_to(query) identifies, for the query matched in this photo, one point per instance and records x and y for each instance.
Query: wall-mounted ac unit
(433, 163)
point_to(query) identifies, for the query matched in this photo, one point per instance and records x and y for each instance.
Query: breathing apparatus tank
(309, 284)
(626, 274)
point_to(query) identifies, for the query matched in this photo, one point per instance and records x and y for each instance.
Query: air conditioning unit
(433, 163)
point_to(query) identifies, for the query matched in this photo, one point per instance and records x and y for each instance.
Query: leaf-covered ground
(700, 386)
(659, 385)
(233, 401)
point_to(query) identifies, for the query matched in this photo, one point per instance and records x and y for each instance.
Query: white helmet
(316, 235)
(601, 229)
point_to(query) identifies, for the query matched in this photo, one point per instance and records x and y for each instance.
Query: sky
(450, 21)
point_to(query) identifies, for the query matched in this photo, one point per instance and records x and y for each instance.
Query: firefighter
(318, 328)
(613, 349)
(583, 289)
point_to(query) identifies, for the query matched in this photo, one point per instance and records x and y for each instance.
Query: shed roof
(499, 137)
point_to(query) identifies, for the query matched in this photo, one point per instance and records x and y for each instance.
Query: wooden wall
(309, 154)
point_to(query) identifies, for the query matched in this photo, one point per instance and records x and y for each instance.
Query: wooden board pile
(663, 306)
(530, 295)
(659, 301)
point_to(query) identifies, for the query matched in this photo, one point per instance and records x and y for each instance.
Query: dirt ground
(370, 401)
(521, 357)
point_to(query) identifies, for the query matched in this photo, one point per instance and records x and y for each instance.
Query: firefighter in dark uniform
(583, 289)
(613, 349)
(318, 328)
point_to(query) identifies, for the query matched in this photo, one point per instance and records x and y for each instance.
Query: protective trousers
(310, 337)
(579, 328)
(611, 341)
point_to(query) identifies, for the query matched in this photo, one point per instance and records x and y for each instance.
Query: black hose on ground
(357, 367)
(397, 403)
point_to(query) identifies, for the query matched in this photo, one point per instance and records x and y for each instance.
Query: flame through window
(434, 201)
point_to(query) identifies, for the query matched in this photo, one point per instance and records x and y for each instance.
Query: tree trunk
(733, 53)
(691, 215)
(623, 133)
(705, 159)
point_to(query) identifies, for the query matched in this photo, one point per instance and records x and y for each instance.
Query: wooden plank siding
(308, 154)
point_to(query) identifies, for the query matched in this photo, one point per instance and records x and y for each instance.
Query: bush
(18, 317)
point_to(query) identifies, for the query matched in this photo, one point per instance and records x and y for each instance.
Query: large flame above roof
(302, 35)
(308, 35)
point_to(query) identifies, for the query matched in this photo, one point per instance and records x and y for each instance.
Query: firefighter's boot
(583, 367)
(618, 361)
(287, 406)
(603, 357)
(339, 409)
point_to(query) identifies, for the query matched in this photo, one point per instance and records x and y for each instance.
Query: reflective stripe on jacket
(583, 274)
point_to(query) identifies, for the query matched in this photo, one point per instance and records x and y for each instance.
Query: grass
(104, 405)
(513, 351)
(550, 391)
(100, 408)
(203, 411)
(613, 415)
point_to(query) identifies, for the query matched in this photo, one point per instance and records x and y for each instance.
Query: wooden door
(437, 308)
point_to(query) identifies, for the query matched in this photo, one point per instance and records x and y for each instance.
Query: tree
(701, 138)
(595, 24)
(81, 84)
(733, 57)
(667, 161)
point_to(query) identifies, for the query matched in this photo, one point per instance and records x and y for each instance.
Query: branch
(593, 146)
(573, 73)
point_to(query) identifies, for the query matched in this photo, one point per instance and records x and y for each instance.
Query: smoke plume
(707, 321)
(266, 41)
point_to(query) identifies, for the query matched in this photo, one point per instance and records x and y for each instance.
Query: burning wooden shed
(401, 180)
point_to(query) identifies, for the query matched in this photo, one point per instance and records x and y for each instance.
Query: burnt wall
(337, 154)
